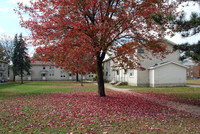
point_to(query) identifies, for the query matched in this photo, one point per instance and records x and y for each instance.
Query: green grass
(195, 81)
(41, 87)
(186, 92)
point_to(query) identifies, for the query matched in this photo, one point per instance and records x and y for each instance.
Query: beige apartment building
(48, 72)
(3, 71)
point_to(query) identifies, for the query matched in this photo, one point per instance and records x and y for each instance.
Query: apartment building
(3, 71)
(48, 72)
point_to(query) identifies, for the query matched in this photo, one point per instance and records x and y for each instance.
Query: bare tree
(6, 47)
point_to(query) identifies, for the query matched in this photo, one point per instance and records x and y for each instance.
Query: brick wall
(193, 71)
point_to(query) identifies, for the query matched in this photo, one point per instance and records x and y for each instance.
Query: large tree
(95, 27)
(6, 47)
(189, 28)
(20, 59)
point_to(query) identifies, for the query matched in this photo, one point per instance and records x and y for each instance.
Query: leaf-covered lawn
(188, 95)
(53, 107)
(85, 112)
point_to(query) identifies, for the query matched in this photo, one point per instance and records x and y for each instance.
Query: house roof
(157, 65)
(190, 62)
(39, 63)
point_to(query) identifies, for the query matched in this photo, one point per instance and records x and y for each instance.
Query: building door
(44, 77)
(29, 78)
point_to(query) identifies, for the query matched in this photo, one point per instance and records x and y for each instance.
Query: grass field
(66, 107)
(42, 87)
(195, 81)
(189, 95)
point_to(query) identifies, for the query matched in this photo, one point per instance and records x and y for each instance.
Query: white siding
(132, 80)
(169, 75)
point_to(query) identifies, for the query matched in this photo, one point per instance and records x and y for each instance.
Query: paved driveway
(193, 85)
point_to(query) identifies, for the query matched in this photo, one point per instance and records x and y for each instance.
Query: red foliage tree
(67, 28)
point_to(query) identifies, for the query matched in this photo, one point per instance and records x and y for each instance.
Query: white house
(159, 72)
(48, 72)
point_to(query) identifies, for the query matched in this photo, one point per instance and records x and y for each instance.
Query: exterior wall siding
(3, 71)
(169, 75)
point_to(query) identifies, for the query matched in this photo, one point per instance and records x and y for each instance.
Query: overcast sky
(9, 21)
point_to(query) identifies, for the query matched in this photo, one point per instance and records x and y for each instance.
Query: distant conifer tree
(189, 28)
(20, 59)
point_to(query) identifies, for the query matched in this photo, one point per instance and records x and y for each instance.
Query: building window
(70, 74)
(44, 68)
(131, 72)
(51, 74)
(188, 74)
(1, 74)
(106, 73)
(191, 67)
(140, 51)
(90, 75)
(62, 75)
(191, 73)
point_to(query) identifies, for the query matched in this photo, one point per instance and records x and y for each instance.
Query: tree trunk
(13, 77)
(77, 76)
(101, 89)
(22, 78)
(81, 79)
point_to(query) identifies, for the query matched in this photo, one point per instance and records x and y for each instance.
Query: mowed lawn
(188, 95)
(66, 107)
(42, 87)
(194, 81)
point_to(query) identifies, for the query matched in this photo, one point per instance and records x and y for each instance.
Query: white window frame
(51, 74)
(63, 75)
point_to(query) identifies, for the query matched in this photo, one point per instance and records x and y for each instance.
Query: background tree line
(14, 51)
